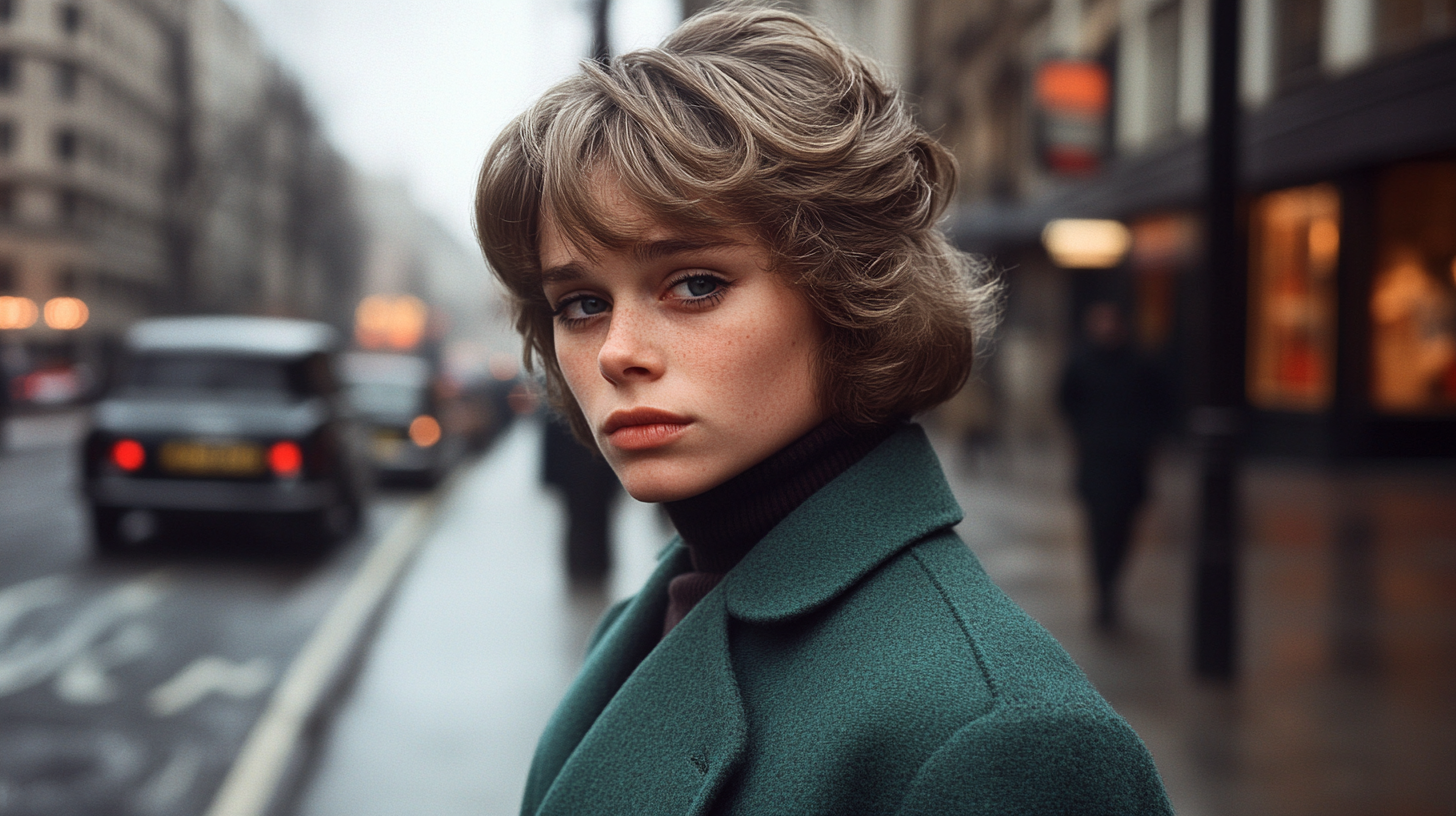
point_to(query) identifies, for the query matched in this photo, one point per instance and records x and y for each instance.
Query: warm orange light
(1073, 87)
(285, 458)
(17, 312)
(424, 431)
(390, 321)
(1086, 243)
(129, 455)
(66, 313)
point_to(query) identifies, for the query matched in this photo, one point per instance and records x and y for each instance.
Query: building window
(68, 80)
(67, 145)
(7, 278)
(7, 137)
(8, 71)
(69, 206)
(1163, 64)
(1405, 24)
(1299, 25)
(67, 282)
(1294, 245)
(7, 201)
(70, 18)
(1413, 296)
(7, 11)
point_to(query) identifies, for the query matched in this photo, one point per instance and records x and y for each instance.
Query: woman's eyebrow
(562, 273)
(667, 247)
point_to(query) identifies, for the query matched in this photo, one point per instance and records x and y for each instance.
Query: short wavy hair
(760, 120)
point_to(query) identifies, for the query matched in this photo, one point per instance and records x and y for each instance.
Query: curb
(262, 765)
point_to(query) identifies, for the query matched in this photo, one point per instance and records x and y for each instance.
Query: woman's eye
(580, 308)
(697, 287)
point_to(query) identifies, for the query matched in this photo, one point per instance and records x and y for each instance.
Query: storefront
(1350, 212)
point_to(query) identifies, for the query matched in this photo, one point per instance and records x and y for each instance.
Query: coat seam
(955, 611)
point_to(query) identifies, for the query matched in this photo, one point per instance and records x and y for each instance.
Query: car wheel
(105, 530)
(118, 529)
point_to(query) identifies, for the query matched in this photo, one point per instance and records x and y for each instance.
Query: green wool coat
(858, 660)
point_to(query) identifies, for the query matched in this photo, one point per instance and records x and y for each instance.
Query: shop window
(1163, 65)
(1294, 248)
(1405, 24)
(1413, 295)
(1300, 24)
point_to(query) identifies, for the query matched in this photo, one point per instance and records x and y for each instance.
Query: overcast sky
(418, 90)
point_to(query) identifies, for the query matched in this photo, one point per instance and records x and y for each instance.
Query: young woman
(723, 256)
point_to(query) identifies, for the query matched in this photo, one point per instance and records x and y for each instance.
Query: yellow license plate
(387, 447)
(211, 459)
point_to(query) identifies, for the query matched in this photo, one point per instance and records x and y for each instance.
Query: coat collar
(893, 497)
(660, 727)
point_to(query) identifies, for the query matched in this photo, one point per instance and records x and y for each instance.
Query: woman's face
(691, 360)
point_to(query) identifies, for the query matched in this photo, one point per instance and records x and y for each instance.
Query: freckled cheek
(578, 362)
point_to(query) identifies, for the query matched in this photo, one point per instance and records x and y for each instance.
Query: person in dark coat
(587, 486)
(723, 254)
(1117, 403)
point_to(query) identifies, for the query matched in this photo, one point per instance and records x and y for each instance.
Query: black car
(397, 398)
(212, 417)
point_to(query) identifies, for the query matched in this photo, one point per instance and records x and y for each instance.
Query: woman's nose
(629, 353)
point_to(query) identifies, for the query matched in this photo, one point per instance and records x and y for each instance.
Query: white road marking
(29, 660)
(169, 785)
(84, 680)
(208, 675)
(253, 780)
(20, 600)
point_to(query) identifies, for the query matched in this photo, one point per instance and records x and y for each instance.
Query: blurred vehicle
(398, 400)
(214, 416)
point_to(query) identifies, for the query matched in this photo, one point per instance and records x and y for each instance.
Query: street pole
(601, 41)
(1217, 422)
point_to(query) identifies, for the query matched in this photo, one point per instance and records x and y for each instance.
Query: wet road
(127, 685)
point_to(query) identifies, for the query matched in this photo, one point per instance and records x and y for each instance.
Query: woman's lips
(644, 428)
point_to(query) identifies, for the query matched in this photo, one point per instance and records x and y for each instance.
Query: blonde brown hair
(756, 119)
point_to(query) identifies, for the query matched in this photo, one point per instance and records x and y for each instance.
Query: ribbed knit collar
(721, 525)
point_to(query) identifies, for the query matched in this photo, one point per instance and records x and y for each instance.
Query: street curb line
(261, 765)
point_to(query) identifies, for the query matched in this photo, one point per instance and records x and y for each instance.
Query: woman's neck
(721, 525)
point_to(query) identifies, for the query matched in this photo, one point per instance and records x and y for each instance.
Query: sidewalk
(476, 649)
(1344, 705)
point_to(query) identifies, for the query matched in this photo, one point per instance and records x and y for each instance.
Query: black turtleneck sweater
(721, 525)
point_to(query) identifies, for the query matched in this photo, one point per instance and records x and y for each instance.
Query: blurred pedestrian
(723, 253)
(5, 406)
(1117, 403)
(588, 486)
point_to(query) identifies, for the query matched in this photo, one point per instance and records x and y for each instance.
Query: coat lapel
(890, 499)
(618, 652)
(670, 736)
(658, 728)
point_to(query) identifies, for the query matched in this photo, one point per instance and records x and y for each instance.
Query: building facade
(154, 158)
(1348, 165)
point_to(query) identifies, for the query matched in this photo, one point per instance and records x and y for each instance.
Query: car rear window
(372, 398)
(208, 374)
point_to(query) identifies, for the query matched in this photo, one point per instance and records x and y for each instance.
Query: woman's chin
(659, 481)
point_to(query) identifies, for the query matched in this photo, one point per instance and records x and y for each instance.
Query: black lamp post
(1218, 419)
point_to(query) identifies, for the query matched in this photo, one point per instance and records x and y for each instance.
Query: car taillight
(129, 455)
(424, 430)
(285, 459)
